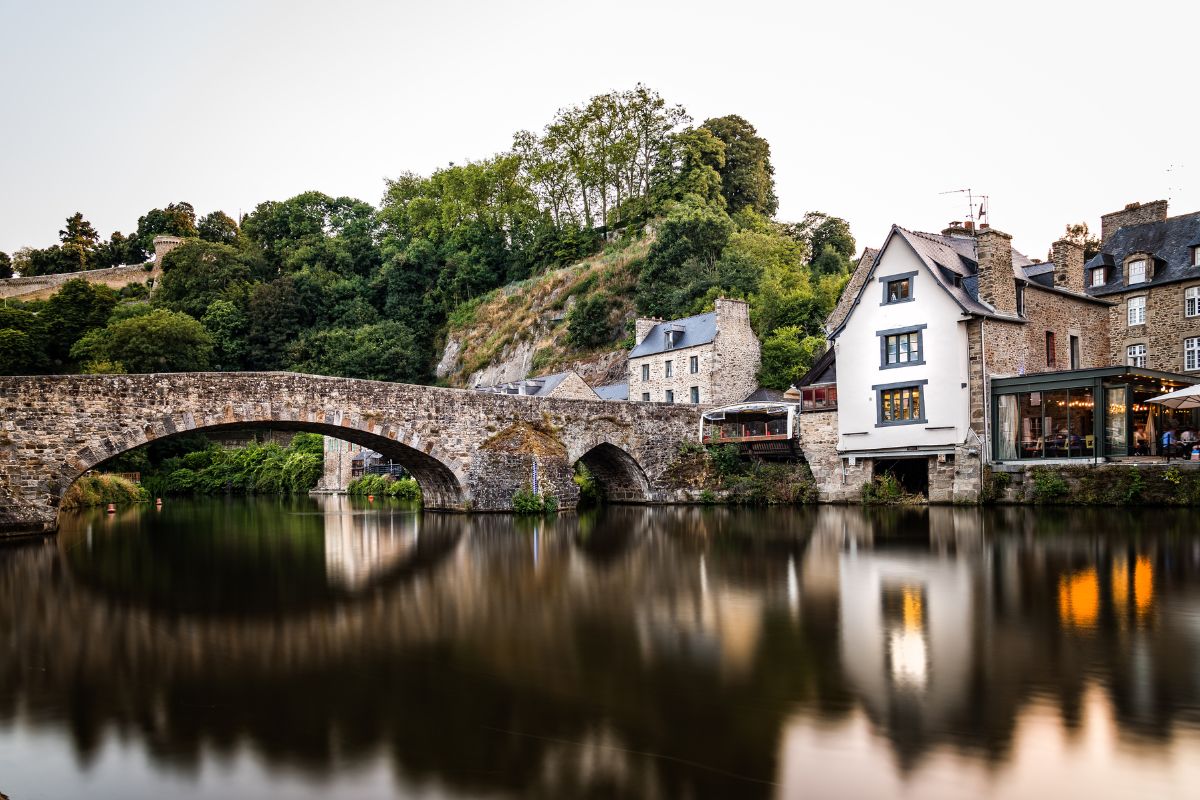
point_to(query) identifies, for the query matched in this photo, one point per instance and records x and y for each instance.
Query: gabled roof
(1169, 242)
(762, 394)
(613, 391)
(691, 331)
(857, 278)
(530, 387)
(823, 370)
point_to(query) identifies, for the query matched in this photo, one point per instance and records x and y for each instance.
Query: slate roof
(530, 387)
(613, 391)
(857, 279)
(823, 370)
(1169, 242)
(697, 330)
(764, 395)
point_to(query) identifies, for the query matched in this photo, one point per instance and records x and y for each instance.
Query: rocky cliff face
(522, 330)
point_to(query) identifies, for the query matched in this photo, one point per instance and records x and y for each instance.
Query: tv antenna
(975, 215)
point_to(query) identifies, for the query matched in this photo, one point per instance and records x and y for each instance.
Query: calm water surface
(323, 648)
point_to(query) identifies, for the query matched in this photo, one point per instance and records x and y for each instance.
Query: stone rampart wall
(40, 285)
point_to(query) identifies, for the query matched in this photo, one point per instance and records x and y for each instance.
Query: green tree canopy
(747, 177)
(383, 351)
(177, 219)
(6, 270)
(786, 355)
(197, 272)
(686, 252)
(79, 240)
(218, 227)
(159, 341)
(315, 230)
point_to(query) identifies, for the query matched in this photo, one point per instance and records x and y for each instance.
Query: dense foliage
(251, 469)
(100, 490)
(337, 286)
(385, 486)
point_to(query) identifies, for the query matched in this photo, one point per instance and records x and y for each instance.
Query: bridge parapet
(470, 451)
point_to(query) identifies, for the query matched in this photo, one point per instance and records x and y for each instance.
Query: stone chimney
(164, 245)
(997, 285)
(959, 229)
(732, 313)
(642, 328)
(1068, 265)
(1132, 214)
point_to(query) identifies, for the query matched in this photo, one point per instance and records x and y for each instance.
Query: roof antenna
(974, 215)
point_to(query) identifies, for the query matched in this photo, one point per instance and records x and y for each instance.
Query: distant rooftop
(613, 391)
(530, 387)
(686, 332)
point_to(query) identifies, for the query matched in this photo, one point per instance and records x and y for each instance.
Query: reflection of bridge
(468, 450)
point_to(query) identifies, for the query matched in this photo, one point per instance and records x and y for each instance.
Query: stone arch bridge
(470, 451)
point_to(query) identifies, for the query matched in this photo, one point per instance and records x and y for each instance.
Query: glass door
(1116, 416)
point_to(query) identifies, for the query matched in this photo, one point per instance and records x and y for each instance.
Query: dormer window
(1196, 255)
(897, 288)
(1136, 271)
(1099, 278)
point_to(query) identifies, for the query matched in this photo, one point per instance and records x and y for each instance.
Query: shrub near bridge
(385, 486)
(100, 490)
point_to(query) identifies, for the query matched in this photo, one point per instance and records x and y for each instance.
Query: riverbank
(101, 490)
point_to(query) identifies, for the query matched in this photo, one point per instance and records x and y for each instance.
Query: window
(694, 364)
(1098, 277)
(645, 372)
(900, 404)
(898, 288)
(1191, 302)
(1074, 343)
(900, 347)
(1196, 256)
(1135, 355)
(1136, 271)
(645, 397)
(1191, 353)
(695, 392)
(818, 398)
(670, 398)
(1137, 311)
(1050, 349)
(1020, 298)
(669, 368)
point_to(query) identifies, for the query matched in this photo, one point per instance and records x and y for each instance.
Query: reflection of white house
(362, 547)
(906, 634)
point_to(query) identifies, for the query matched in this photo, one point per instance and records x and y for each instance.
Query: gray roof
(762, 394)
(530, 387)
(857, 279)
(1169, 242)
(697, 330)
(613, 391)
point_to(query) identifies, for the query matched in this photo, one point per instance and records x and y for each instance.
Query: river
(328, 647)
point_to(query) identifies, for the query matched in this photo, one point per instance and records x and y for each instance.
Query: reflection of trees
(638, 652)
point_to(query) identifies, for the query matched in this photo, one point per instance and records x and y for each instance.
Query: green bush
(405, 489)
(369, 484)
(589, 492)
(526, 502)
(252, 469)
(100, 490)
(1048, 486)
(884, 490)
(708, 497)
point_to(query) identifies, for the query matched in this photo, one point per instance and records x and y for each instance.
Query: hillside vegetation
(503, 258)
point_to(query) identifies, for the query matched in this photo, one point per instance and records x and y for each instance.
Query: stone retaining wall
(39, 286)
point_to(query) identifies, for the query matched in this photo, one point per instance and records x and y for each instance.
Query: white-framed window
(1191, 301)
(645, 372)
(1191, 353)
(1136, 270)
(694, 364)
(1196, 256)
(1135, 355)
(669, 367)
(1137, 311)
(1098, 276)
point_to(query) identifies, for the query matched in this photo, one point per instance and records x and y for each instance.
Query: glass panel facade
(1115, 433)
(900, 405)
(1056, 424)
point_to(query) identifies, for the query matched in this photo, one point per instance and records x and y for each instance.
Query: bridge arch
(620, 477)
(443, 483)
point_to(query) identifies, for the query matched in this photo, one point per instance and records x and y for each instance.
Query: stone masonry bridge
(470, 451)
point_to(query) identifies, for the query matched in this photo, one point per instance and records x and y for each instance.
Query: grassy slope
(535, 309)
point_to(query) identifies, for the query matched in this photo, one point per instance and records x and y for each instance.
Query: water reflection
(377, 651)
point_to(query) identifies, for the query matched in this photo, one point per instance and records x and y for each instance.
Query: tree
(277, 316)
(159, 341)
(384, 351)
(1078, 233)
(6, 270)
(588, 324)
(22, 342)
(197, 272)
(689, 245)
(218, 227)
(79, 240)
(690, 169)
(786, 355)
(76, 308)
(747, 177)
(819, 230)
(227, 324)
(315, 230)
(177, 219)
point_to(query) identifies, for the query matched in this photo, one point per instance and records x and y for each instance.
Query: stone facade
(997, 288)
(1165, 328)
(38, 287)
(55, 428)
(1068, 265)
(726, 368)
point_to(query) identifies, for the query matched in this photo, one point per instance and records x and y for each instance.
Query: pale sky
(1059, 111)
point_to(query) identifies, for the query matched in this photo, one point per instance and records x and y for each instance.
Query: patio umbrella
(1188, 397)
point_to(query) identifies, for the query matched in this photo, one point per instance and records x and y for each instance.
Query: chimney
(642, 328)
(997, 284)
(1132, 214)
(1068, 265)
(959, 229)
(731, 313)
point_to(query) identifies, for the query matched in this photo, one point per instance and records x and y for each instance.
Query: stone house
(1149, 267)
(566, 385)
(709, 358)
(930, 320)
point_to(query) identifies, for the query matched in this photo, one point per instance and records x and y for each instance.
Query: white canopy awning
(1188, 397)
